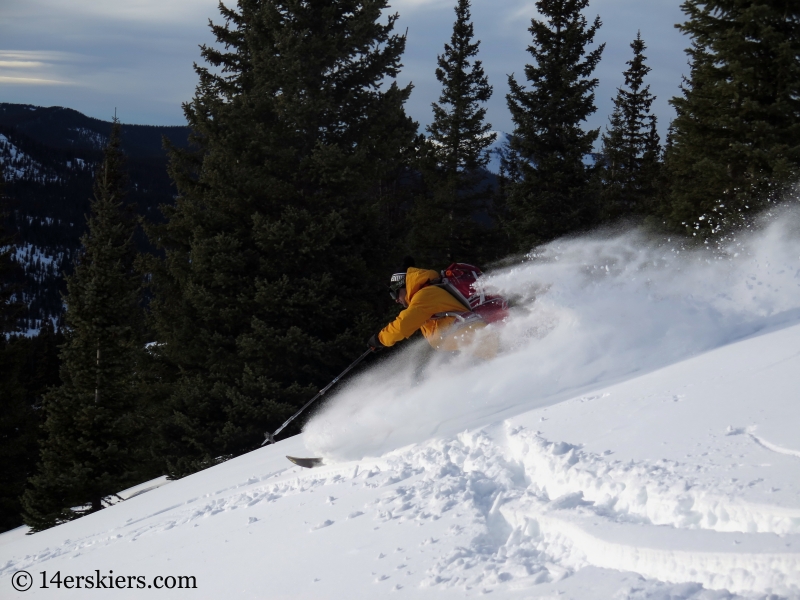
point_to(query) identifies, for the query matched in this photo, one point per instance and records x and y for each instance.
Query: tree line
(305, 183)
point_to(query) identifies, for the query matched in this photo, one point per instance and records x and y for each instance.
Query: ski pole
(270, 437)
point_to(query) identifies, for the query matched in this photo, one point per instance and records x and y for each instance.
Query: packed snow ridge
(636, 437)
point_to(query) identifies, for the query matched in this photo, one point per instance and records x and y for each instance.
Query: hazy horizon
(137, 58)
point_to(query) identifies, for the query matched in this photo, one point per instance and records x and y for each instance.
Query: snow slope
(636, 437)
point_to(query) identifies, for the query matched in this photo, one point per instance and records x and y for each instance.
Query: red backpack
(459, 280)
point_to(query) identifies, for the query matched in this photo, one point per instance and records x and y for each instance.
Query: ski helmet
(397, 283)
(398, 280)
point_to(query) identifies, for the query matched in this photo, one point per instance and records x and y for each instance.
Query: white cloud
(20, 64)
(37, 68)
(31, 81)
(138, 54)
(39, 56)
(154, 11)
(402, 5)
(522, 12)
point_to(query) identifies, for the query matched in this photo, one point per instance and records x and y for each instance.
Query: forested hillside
(48, 158)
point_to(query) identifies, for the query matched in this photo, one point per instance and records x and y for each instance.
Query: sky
(136, 56)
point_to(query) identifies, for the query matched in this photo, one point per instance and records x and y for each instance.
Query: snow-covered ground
(636, 437)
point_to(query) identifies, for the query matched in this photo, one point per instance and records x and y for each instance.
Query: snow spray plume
(587, 312)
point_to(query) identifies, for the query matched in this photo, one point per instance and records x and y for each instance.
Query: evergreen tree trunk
(557, 193)
(274, 250)
(455, 155)
(94, 428)
(736, 138)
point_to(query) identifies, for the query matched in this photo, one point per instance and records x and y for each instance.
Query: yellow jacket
(423, 303)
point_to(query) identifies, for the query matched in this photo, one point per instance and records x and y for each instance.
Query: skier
(450, 309)
(445, 321)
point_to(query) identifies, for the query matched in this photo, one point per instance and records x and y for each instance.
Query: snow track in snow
(529, 511)
(541, 524)
(774, 447)
(644, 492)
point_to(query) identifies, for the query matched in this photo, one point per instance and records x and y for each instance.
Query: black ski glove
(375, 344)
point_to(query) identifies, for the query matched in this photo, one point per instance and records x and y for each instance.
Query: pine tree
(736, 137)
(28, 367)
(275, 258)
(510, 174)
(455, 154)
(631, 146)
(17, 432)
(557, 194)
(94, 429)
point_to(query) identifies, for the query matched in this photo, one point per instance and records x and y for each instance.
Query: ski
(308, 463)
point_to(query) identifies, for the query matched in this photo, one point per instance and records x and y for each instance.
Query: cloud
(143, 11)
(95, 64)
(35, 68)
(20, 64)
(523, 11)
(31, 81)
(38, 56)
(404, 6)
(137, 55)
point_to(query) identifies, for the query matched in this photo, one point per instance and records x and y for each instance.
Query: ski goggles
(397, 283)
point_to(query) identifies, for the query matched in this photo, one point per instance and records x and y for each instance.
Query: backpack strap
(460, 317)
(450, 289)
(442, 283)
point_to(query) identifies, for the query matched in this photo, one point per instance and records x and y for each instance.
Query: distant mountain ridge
(67, 129)
(48, 157)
